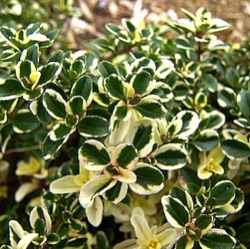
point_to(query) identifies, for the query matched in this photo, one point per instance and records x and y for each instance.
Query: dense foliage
(144, 136)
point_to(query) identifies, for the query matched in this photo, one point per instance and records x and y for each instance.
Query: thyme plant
(140, 141)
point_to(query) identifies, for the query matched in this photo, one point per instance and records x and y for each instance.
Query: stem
(19, 150)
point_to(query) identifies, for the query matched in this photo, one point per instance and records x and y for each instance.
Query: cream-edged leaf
(64, 185)
(94, 212)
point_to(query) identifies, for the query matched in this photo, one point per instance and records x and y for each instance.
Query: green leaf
(106, 69)
(24, 121)
(210, 82)
(129, 25)
(40, 226)
(83, 87)
(50, 147)
(63, 230)
(150, 109)
(60, 131)
(176, 213)
(120, 112)
(78, 106)
(214, 120)
(183, 196)
(184, 243)
(93, 126)
(221, 194)
(226, 98)
(149, 180)
(144, 140)
(217, 239)
(114, 193)
(243, 100)
(58, 57)
(49, 72)
(27, 74)
(237, 202)
(232, 77)
(3, 115)
(31, 54)
(94, 154)
(113, 29)
(115, 87)
(40, 112)
(33, 28)
(141, 82)
(170, 157)
(124, 155)
(5, 134)
(204, 222)
(102, 240)
(242, 233)
(76, 243)
(53, 239)
(235, 149)
(11, 89)
(54, 104)
(206, 140)
(190, 122)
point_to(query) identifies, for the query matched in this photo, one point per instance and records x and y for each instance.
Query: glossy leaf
(11, 89)
(206, 140)
(149, 180)
(93, 126)
(176, 213)
(221, 194)
(54, 104)
(94, 155)
(170, 157)
(83, 87)
(217, 239)
(235, 149)
(24, 121)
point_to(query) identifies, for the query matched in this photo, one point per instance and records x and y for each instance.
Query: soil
(96, 13)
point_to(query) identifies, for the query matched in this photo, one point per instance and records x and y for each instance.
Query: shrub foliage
(144, 135)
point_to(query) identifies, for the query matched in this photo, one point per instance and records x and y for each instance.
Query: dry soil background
(94, 14)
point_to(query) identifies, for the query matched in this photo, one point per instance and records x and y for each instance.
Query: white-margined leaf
(144, 140)
(54, 104)
(221, 194)
(106, 68)
(217, 239)
(50, 147)
(115, 87)
(235, 149)
(11, 89)
(206, 140)
(83, 87)
(40, 213)
(49, 72)
(78, 106)
(93, 155)
(117, 193)
(149, 180)
(170, 157)
(96, 186)
(125, 155)
(24, 121)
(93, 126)
(60, 131)
(177, 214)
(141, 82)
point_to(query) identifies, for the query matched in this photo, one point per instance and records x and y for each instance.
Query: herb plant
(139, 141)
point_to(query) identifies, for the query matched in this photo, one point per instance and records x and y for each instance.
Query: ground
(96, 13)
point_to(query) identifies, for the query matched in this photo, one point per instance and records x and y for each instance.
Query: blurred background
(82, 20)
